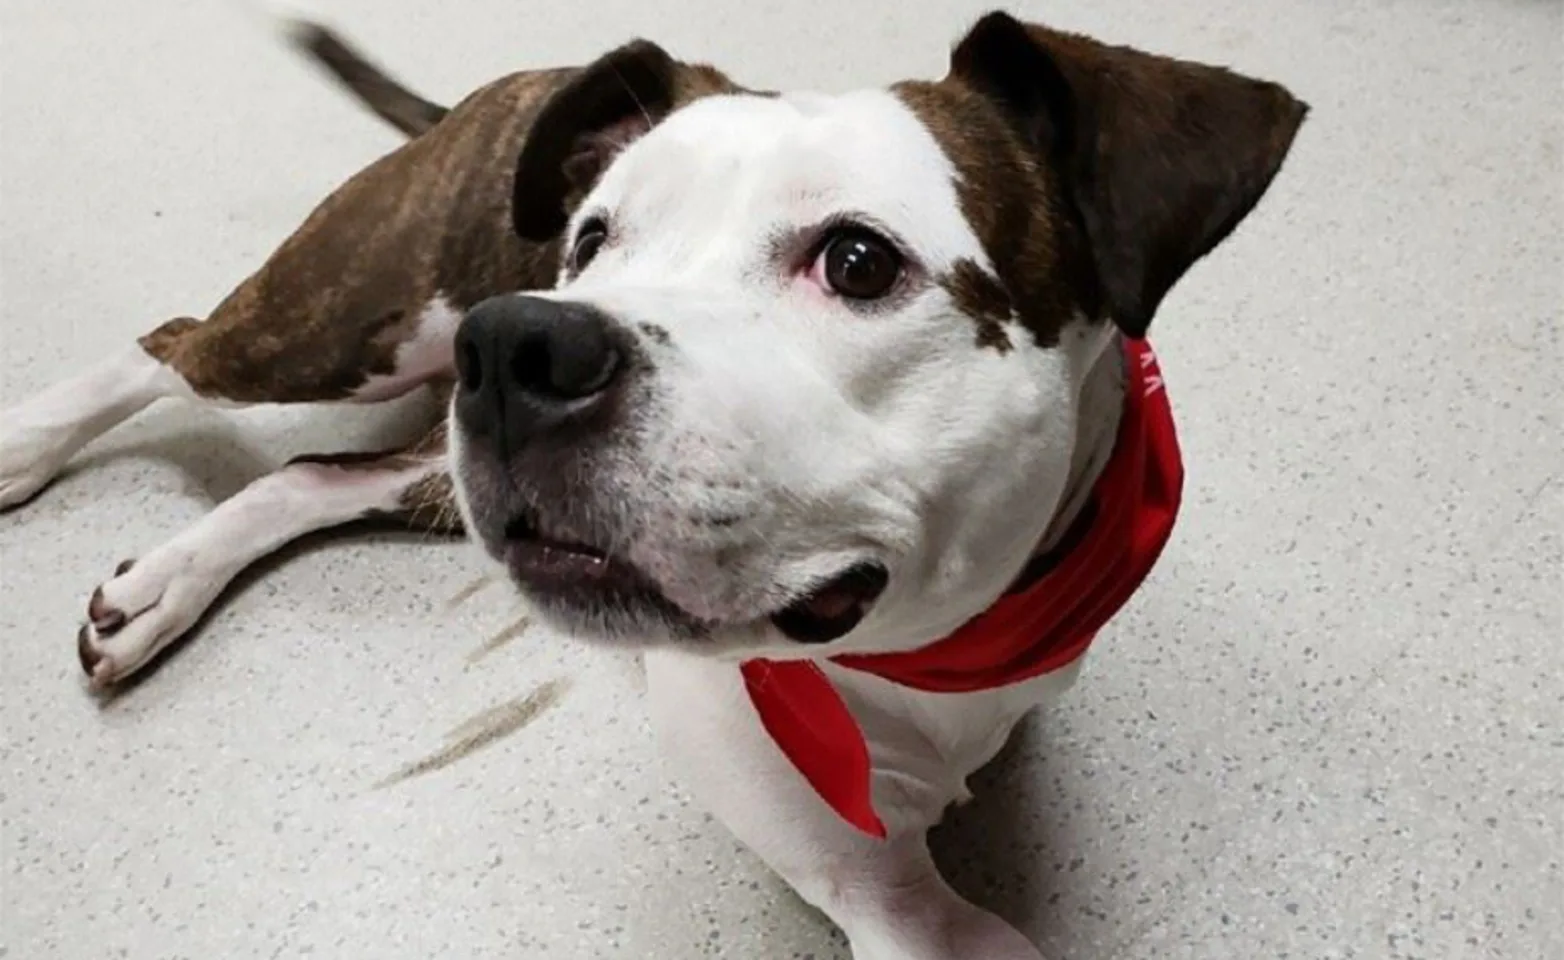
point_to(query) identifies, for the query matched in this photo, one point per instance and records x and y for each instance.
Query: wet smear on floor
(466, 593)
(486, 729)
(493, 718)
(499, 640)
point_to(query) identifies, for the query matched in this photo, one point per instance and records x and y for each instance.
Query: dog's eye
(588, 242)
(859, 264)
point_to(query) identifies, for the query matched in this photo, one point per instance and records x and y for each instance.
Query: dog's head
(810, 378)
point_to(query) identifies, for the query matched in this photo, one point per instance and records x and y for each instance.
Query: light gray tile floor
(1331, 726)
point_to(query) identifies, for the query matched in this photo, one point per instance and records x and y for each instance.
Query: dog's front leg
(886, 895)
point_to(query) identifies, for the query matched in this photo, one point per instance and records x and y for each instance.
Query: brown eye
(588, 242)
(859, 264)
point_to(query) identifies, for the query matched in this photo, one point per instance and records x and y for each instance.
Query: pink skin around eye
(813, 278)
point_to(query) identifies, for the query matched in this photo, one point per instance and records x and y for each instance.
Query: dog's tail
(390, 101)
(322, 46)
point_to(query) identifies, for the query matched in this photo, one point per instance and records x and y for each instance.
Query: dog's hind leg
(39, 435)
(256, 348)
(241, 356)
(152, 601)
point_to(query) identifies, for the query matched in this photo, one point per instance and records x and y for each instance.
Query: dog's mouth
(551, 565)
(832, 610)
(584, 575)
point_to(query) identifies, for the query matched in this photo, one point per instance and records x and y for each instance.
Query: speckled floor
(1331, 726)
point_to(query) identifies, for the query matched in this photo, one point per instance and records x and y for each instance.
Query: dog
(838, 409)
(359, 305)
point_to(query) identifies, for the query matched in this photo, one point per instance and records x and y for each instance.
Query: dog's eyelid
(590, 237)
(596, 221)
(839, 222)
(805, 244)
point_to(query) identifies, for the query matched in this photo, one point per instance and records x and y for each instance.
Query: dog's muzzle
(543, 388)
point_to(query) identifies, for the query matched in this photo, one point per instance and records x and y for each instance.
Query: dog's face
(810, 379)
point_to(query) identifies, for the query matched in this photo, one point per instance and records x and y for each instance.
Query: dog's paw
(144, 608)
(29, 459)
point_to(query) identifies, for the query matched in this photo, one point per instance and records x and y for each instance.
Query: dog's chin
(588, 591)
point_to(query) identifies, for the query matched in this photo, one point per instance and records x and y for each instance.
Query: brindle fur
(432, 219)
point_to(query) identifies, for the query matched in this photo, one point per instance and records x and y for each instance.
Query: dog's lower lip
(551, 560)
(545, 561)
(581, 573)
(585, 584)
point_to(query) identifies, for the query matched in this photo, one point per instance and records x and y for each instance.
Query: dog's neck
(1101, 405)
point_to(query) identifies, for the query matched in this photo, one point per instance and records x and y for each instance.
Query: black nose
(528, 365)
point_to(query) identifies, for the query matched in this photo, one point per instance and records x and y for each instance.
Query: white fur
(38, 436)
(164, 592)
(420, 358)
(168, 589)
(836, 436)
(887, 896)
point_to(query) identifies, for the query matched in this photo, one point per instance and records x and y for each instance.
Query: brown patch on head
(984, 299)
(693, 81)
(1014, 207)
(1096, 176)
(656, 333)
(588, 122)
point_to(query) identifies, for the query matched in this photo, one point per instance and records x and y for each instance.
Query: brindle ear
(605, 108)
(1160, 158)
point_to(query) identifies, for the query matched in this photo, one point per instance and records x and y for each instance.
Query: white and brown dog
(838, 408)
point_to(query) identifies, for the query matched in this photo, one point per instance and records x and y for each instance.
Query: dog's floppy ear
(579, 131)
(1160, 158)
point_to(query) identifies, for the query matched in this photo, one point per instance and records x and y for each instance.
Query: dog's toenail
(124, 567)
(89, 657)
(104, 617)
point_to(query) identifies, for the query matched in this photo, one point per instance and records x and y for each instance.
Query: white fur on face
(790, 434)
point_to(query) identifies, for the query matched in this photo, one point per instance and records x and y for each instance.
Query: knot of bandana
(1035, 630)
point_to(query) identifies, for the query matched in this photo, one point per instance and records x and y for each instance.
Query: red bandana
(1025, 634)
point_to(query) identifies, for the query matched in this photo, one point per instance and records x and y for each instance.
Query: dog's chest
(923, 746)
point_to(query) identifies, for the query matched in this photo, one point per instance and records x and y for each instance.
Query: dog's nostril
(608, 365)
(529, 365)
(469, 365)
(526, 365)
(564, 368)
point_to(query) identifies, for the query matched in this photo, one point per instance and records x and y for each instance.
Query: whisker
(646, 114)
